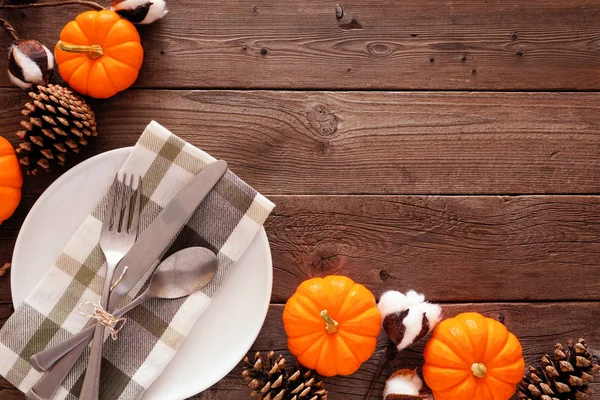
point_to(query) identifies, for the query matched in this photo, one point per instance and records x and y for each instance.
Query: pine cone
(564, 375)
(270, 380)
(58, 123)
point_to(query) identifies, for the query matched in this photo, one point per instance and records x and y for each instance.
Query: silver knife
(148, 248)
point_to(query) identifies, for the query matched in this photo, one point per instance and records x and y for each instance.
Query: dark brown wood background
(446, 146)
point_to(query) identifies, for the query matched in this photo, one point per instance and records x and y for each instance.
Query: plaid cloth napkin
(226, 222)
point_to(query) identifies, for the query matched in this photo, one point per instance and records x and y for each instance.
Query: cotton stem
(9, 29)
(84, 3)
(390, 351)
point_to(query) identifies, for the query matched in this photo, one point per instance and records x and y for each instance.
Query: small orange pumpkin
(99, 53)
(332, 325)
(471, 357)
(11, 180)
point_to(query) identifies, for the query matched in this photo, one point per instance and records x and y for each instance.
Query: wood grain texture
(454, 248)
(5, 292)
(367, 142)
(414, 44)
(8, 235)
(538, 327)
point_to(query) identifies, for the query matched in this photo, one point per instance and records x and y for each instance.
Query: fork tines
(119, 214)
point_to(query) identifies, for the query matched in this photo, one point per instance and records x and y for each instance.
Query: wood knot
(322, 120)
(384, 275)
(379, 49)
(353, 24)
(323, 264)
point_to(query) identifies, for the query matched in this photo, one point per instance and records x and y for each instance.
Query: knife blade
(147, 249)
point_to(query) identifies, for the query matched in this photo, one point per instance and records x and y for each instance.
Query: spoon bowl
(183, 273)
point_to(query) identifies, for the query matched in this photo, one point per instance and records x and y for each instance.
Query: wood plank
(8, 235)
(456, 248)
(5, 292)
(368, 142)
(463, 44)
(538, 326)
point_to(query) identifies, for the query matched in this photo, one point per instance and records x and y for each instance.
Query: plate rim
(252, 336)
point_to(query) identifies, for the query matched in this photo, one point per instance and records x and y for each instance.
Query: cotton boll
(404, 384)
(407, 318)
(156, 12)
(140, 11)
(29, 63)
(415, 326)
(391, 302)
(433, 313)
(414, 298)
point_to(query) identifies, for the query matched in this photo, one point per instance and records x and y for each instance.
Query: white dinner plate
(222, 335)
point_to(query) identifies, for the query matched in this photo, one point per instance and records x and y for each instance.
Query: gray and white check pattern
(155, 330)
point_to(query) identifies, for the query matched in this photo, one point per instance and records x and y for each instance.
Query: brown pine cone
(565, 375)
(270, 380)
(58, 122)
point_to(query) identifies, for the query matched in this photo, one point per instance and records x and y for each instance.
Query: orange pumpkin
(99, 54)
(11, 180)
(332, 325)
(471, 357)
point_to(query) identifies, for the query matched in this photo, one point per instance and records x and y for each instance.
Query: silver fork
(45, 388)
(119, 233)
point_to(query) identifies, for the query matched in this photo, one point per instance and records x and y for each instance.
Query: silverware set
(128, 259)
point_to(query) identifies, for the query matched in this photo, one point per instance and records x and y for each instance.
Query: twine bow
(110, 322)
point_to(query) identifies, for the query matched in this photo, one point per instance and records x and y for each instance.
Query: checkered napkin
(226, 222)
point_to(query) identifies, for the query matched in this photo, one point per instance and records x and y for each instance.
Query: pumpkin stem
(93, 51)
(331, 325)
(479, 370)
(85, 3)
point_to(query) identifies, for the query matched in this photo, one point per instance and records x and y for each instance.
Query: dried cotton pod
(29, 63)
(140, 11)
(404, 384)
(407, 318)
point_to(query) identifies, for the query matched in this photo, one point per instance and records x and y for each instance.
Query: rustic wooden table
(452, 147)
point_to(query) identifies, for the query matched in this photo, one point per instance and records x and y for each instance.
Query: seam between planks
(498, 302)
(342, 89)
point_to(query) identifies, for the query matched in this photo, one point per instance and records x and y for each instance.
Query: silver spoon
(181, 274)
